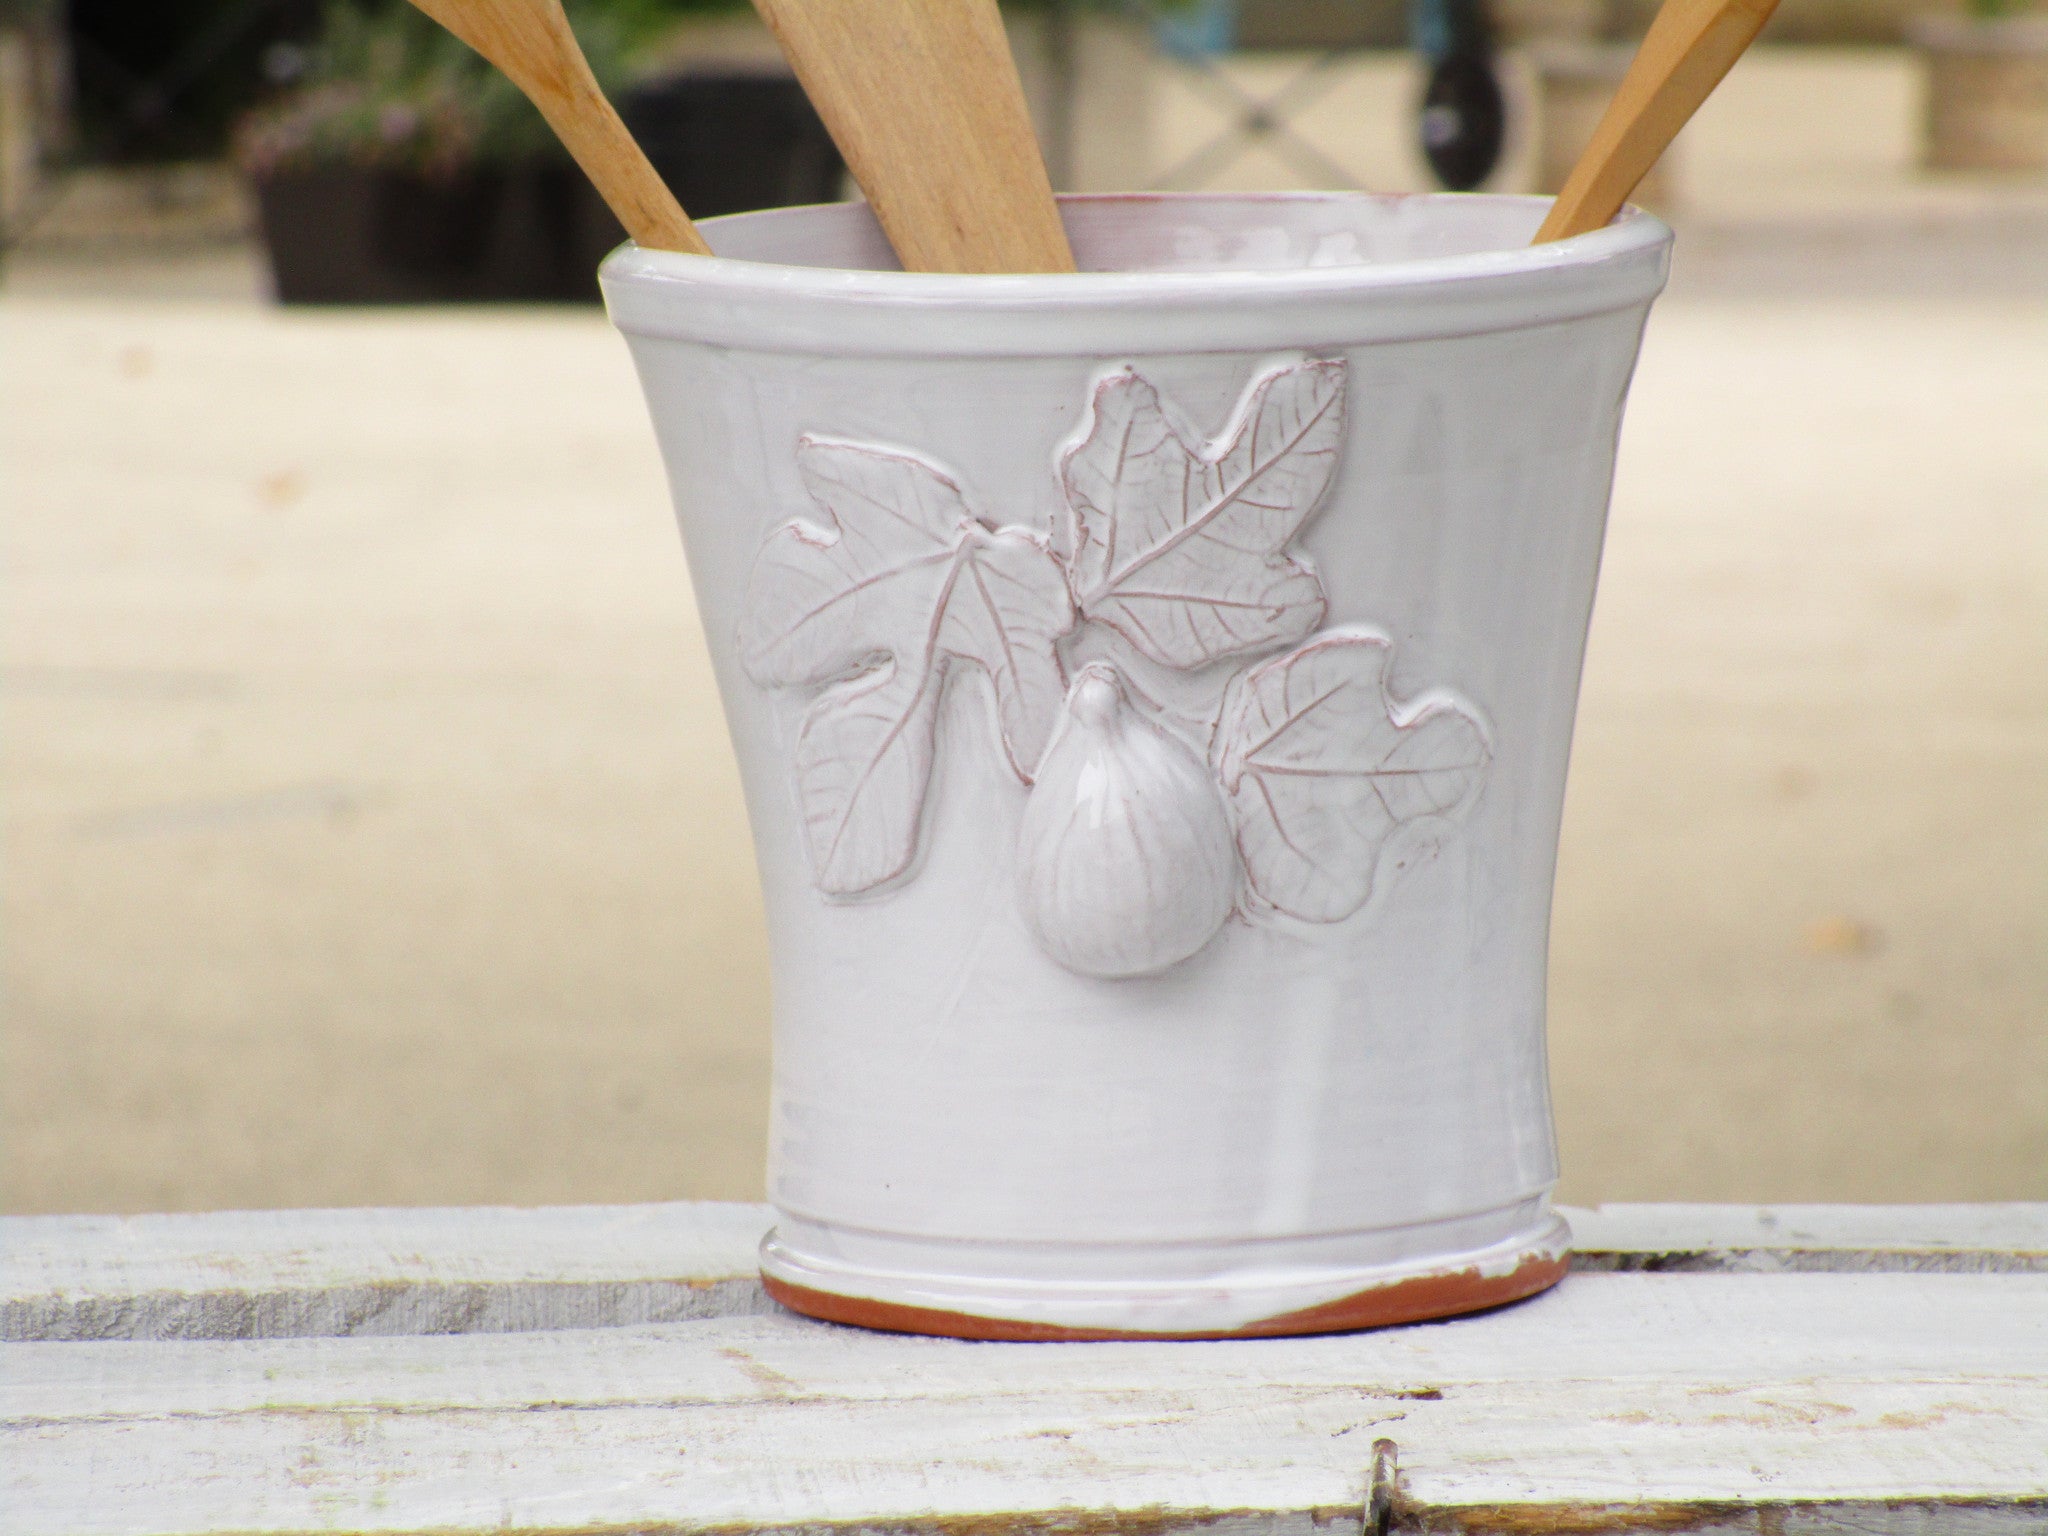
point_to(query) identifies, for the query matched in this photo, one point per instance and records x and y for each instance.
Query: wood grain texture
(2010, 1238)
(1878, 1403)
(924, 102)
(1690, 46)
(333, 1274)
(530, 40)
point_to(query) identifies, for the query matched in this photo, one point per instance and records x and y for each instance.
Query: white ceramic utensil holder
(1153, 690)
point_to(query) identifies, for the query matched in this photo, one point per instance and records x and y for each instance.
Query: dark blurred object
(724, 143)
(535, 230)
(158, 80)
(1463, 119)
(350, 234)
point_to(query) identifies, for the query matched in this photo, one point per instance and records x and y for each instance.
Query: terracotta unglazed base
(1414, 1299)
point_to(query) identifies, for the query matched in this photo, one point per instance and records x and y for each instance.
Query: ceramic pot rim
(857, 312)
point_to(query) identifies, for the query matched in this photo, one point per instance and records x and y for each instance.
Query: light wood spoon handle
(1687, 50)
(923, 100)
(531, 42)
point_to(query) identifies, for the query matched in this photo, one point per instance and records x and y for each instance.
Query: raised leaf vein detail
(1321, 765)
(881, 603)
(1183, 548)
(1200, 533)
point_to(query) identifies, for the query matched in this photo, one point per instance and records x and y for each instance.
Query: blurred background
(370, 835)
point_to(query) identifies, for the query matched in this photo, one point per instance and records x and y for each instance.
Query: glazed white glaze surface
(1245, 270)
(1359, 1050)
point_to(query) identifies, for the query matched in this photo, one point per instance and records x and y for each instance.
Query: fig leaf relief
(899, 587)
(1181, 548)
(1274, 793)
(1321, 764)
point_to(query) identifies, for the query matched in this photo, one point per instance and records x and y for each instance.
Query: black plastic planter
(365, 235)
(345, 234)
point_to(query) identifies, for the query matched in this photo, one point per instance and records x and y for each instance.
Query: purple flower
(397, 123)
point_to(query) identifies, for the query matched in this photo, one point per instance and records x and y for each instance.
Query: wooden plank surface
(289, 1274)
(1867, 1402)
(1766, 1239)
(293, 1274)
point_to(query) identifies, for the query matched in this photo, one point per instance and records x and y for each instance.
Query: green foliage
(387, 86)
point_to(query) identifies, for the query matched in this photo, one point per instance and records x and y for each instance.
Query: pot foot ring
(1418, 1298)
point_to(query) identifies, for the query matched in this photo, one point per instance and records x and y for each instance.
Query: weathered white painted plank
(284, 1274)
(1876, 1402)
(1765, 1239)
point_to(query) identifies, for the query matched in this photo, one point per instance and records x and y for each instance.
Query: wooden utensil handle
(923, 100)
(599, 141)
(1689, 47)
(530, 41)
